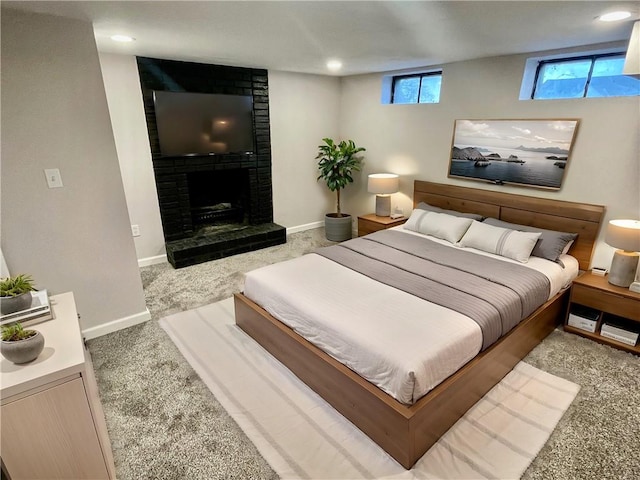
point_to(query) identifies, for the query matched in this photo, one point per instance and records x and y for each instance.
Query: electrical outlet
(54, 179)
(135, 230)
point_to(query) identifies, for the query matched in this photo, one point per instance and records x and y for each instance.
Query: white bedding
(399, 342)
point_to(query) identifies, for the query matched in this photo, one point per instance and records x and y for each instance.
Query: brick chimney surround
(212, 206)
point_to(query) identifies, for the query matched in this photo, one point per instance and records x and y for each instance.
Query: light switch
(54, 180)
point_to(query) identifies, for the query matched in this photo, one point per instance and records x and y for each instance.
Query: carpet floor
(165, 423)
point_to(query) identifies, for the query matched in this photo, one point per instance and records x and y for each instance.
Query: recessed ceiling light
(614, 16)
(334, 65)
(122, 38)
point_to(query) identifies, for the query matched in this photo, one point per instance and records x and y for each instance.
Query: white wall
(303, 110)
(415, 140)
(54, 115)
(122, 86)
(412, 140)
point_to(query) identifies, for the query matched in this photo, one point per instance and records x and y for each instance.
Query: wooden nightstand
(596, 292)
(372, 223)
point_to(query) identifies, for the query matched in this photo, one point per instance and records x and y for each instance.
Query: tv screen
(203, 123)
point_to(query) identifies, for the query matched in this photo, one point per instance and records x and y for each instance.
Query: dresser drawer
(605, 301)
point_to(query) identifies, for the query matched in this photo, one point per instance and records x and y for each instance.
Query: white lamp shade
(624, 234)
(383, 183)
(632, 59)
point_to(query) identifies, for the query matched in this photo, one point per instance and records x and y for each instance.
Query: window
(417, 88)
(585, 76)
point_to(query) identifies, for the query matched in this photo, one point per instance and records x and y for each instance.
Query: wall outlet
(135, 230)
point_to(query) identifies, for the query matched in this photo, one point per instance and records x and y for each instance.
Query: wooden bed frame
(406, 432)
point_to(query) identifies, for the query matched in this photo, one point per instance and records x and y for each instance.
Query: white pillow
(567, 247)
(440, 225)
(501, 241)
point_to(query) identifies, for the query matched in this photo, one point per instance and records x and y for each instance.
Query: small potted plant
(336, 163)
(19, 345)
(15, 293)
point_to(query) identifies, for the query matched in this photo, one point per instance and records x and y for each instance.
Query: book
(585, 312)
(582, 323)
(619, 334)
(39, 311)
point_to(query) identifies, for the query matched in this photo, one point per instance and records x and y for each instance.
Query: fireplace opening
(218, 197)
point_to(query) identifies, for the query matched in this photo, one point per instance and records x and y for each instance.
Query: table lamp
(625, 235)
(383, 185)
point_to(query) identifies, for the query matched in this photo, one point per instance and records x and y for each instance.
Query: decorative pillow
(551, 244)
(431, 208)
(438, 225)
(501, 241)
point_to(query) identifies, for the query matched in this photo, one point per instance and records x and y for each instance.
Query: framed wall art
(532, 153)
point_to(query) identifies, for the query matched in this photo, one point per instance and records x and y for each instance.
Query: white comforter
(401, 343)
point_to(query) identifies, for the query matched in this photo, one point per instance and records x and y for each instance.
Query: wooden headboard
(581, 218)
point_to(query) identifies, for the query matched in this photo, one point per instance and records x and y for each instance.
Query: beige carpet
(301, 436)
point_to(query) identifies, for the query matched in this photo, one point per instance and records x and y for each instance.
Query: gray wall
(122, 86)
(55, 115)
(415, 140)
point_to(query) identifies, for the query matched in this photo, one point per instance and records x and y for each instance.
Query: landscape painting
(533, 153)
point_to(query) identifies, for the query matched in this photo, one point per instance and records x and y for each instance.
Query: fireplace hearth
(214, 206)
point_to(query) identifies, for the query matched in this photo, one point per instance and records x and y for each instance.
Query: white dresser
(51, 423)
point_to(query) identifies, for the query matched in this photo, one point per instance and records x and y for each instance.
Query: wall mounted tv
(203, 123)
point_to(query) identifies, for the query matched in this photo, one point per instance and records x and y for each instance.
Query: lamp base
(383, 205)
(623, 268)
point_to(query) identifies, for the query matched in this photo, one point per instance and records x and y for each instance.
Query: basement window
(587, 76)
(416, 88)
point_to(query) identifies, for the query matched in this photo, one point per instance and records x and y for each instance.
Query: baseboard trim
(116, 325)
(306, 226)
(145, 262)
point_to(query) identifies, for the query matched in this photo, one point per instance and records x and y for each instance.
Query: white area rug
(301, 436)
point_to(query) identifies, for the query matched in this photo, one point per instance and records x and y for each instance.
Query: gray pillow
(431, 208)
(550, 244)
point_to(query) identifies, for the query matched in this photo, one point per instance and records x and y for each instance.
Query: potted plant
(19, 345)
(15, 293)
(336, 164)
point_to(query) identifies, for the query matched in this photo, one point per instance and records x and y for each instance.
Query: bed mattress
(401, 343)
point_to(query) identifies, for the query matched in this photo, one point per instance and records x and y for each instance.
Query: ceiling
(300, 36)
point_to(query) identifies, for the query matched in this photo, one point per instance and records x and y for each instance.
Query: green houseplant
(337, 162)
(19, 345)
(15, 293)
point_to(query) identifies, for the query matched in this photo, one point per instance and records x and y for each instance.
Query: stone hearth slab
(212, 246)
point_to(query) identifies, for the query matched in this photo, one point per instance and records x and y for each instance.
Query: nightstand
(372, 223)
(597, 293)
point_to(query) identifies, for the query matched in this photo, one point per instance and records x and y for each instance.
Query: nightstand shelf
(596, 292)
(372, 223)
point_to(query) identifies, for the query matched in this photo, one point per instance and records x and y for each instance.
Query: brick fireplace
(212, 206)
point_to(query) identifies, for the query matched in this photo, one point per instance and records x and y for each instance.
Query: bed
(406, 430)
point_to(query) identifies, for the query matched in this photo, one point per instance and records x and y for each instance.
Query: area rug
(301, 436)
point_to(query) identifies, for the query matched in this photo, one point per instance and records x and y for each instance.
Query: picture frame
(531, 153)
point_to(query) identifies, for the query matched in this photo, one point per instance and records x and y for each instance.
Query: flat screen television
(203, 123)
